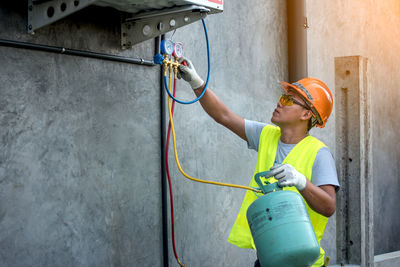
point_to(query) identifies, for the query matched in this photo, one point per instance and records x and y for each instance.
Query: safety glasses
(288, 100)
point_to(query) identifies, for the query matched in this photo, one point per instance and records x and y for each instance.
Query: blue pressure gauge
(167, 46)
(178, 50)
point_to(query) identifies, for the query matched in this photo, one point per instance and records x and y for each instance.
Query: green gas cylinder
(281, 228)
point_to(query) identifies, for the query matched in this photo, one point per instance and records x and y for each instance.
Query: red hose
(169, 181)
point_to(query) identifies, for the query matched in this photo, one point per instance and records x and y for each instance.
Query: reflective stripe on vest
(301, 157)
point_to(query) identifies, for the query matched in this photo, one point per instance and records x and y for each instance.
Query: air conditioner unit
(135, 6)
(146, 19)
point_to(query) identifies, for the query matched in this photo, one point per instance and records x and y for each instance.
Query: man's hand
(287, 175)
(189, 74)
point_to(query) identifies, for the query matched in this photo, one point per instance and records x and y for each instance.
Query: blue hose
(208, 74)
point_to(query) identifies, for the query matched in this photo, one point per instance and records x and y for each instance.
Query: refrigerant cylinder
(282, 231)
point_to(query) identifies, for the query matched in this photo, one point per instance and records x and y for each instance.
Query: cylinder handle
(267, 187)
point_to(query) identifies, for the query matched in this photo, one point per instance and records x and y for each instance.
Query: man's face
(289, 115)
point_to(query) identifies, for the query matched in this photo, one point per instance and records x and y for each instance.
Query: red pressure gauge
(178, 50)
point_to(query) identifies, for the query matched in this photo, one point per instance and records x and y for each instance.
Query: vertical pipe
(164, 200)
(297, 39)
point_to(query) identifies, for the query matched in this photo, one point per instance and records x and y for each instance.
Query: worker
(297, 160)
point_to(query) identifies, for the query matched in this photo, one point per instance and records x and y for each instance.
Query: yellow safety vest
(301, 157)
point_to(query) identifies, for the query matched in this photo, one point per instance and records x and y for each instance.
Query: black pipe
(164, 200)
(74, 52)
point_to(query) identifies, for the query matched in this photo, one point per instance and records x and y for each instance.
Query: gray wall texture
(79, 156)
(370, 29)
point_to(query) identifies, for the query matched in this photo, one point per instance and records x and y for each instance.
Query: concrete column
(353, 158)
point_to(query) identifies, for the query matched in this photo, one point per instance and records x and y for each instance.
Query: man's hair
(311, 123)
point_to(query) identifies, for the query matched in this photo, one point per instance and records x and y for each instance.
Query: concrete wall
(79, 156)
(80, 141)
(366, 28)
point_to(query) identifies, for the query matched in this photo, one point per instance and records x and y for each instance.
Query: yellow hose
(177, 159)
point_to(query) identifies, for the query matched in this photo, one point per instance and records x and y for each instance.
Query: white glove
(287, 175)
(189, 74)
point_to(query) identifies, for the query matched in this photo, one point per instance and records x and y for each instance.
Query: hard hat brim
(287, 86)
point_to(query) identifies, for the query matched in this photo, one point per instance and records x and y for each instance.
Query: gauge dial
(178, 49)
(167, 46)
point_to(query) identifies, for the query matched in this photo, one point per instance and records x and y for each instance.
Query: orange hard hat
(317, 95)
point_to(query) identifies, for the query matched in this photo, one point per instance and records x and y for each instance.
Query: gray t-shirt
(324, 169)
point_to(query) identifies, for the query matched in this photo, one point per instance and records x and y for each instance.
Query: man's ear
(306, 115)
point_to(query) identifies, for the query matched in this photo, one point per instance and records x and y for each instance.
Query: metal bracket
(135, 29)
(147, 25)
(45, 12)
